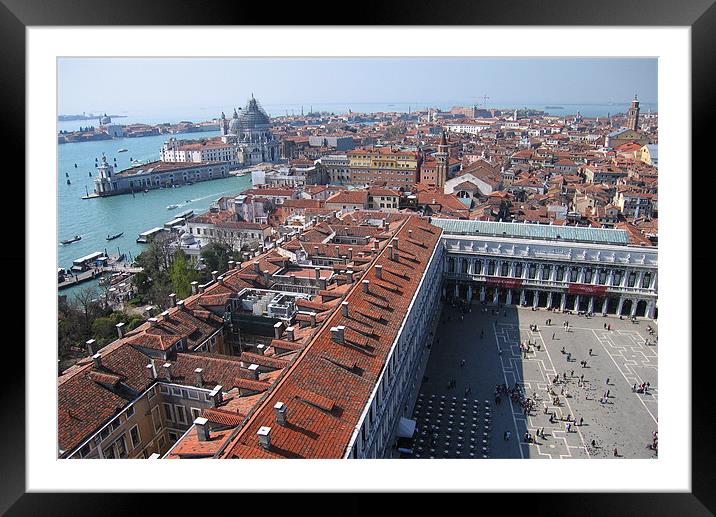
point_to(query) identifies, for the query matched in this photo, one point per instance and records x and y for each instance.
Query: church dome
(105, 120)
(235, 124)
(253, 115)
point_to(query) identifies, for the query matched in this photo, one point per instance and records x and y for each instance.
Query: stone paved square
(466, 421)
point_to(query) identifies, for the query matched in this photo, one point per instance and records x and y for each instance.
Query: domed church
(250, 133)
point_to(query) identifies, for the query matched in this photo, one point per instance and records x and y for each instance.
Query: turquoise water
(94, 219)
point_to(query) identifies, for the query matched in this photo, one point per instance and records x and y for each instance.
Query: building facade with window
(154, 175)
(569, 268)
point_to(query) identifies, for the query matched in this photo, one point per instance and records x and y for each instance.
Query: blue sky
(160, 85)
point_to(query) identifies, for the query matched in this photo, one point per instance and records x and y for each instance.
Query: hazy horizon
(172, 85)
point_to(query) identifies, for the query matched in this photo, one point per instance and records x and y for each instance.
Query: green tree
(216, 256)
(182, 274)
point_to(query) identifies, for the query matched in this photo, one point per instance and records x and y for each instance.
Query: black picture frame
(700, 15)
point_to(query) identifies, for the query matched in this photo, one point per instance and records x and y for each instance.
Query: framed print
(412, 253)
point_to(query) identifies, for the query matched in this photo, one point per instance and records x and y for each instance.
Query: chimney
(257, 267)
(232, 264)
(281, 410)
(201, 288)
(322, 283)
(317, 271)
(168, 371)
(214, 275)
(366, 286)
(164, 316)
(199, 372)
(97, 358)
(338, 333)
(313, 319)
(344, 309)
(379, 271)
(349, 274)
(180, 304)
(173, 300)
(90, 346)
(194, 287)
(410, 234)
(290, 334)
(293, 278)
(151, 371)
(264, 434)
(254, 371)
(277, 329)
(153, 322)
(120, 330)
(350, 253)
(261, 349)
(337, 249)
(315, 250)
(216, 395)
(202, 430)
(390, 251)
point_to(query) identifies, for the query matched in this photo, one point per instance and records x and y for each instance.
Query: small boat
(75, 165)
(122, 151)
(90, 173)
(69, 182)
(116, 236)
(70, 241)
(67, 174)
(172, 207)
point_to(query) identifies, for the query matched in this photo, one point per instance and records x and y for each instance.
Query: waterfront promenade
(84, 276)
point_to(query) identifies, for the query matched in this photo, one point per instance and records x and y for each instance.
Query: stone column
(470, 266)
(563, 302)
(513, 267)
(633, 308)
(580, 275)
(576, 302)
(535, 298)
(495, 295)
(522, 297)
(605, 305)
(590, 308)
(610, 277)
(524, 270)
(469, 293)
(509, 297)
(639, 278)
(457, 290)
(619, 307)
(650, 309)
(549, 300)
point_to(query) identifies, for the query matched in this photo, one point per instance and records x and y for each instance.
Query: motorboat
(172, 207)
(122, 151)
(70, 241)
(116, 236)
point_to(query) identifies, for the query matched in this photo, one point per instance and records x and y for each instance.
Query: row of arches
(614, 305)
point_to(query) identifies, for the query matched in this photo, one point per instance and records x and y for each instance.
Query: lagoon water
(94, 219)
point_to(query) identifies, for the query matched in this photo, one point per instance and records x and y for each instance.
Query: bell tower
(442, 162)
(633, 115)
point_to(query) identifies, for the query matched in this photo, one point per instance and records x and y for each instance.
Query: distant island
(64, 118)
(554, 107)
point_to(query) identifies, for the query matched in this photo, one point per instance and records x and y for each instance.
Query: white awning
(406, 428)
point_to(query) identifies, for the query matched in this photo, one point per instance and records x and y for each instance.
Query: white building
(566, 267)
